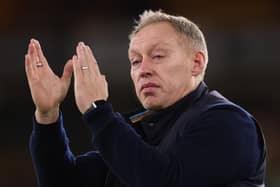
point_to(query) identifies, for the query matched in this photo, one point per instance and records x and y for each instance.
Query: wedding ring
(84, 67)
(39, 64)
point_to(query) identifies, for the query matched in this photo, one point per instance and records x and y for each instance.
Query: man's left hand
(89, 85)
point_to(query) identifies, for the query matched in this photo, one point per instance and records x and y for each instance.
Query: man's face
(161, 66)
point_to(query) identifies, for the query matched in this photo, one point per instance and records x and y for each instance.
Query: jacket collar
(184, 102)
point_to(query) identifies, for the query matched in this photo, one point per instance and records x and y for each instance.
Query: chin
(152, 106)
(151, 102)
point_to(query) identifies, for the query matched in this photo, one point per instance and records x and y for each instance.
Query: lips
(148, 86)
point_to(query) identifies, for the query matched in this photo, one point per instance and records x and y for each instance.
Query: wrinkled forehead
(156, 34)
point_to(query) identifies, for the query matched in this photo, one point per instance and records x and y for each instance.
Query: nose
(146, 68)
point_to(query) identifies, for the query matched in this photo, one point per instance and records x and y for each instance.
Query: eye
(158, 56)
(135, 62)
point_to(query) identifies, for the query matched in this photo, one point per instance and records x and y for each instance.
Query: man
(185, 135)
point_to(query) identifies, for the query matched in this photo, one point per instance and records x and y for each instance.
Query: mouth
(148, 87)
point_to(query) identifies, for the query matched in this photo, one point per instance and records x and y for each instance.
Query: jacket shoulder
(215, 101)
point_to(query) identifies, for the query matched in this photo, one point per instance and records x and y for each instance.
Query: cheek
(134, 80)
(175, 79)
(169, 79)
(132, 76)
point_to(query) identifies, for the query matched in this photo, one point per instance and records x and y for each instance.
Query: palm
(90, 84)
(47, 89)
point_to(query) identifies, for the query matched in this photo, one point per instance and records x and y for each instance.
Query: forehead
(156, 34)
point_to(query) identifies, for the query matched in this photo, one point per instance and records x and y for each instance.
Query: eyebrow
(160, 45)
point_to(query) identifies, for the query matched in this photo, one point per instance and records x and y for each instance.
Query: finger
(29, 68)
(81, 54)
(87, 59)
(27, 57)
(90, 53)
(77, 69)
(94, 66)
(29, 45)
(104, 78)
(67, 72)
(41, 57)
(84, 62)
(33, 55)
(85, 53)
(31, 50)
(106, 86)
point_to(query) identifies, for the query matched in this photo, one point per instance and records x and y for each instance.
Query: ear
(199, 63)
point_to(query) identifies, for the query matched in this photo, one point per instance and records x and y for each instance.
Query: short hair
(182, 25)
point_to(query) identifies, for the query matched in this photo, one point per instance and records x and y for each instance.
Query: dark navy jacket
(202, 140)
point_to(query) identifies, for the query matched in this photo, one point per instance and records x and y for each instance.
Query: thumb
(67, 72)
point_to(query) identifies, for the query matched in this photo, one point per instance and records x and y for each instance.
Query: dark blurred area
(243, 41)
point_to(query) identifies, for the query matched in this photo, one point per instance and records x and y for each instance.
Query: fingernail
(34, 40)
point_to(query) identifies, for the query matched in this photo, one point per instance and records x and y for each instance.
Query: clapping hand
(89, 84)
(47, 89)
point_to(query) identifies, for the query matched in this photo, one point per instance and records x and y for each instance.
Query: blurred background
(243, 41)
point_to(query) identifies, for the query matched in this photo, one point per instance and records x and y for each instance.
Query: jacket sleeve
(54, 163)
(220, 147)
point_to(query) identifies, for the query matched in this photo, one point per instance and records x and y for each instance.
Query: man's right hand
(47, 89)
